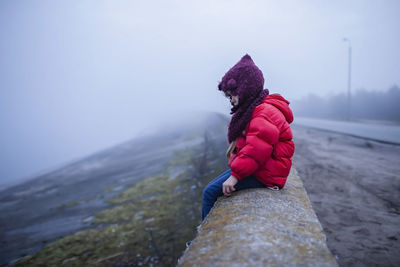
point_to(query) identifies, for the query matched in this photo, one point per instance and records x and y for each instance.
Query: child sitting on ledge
(260, 139)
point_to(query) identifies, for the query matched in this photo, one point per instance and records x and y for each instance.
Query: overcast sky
(79, 76)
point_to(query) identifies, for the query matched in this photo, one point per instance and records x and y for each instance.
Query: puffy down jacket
(265, 148)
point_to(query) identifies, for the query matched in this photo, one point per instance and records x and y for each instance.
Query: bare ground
(354, 187)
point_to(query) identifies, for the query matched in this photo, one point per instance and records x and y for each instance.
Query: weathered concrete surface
(260, 227)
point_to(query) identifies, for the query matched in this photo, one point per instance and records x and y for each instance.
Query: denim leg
(214, 189)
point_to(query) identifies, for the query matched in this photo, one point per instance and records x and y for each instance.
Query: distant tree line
(372, 105)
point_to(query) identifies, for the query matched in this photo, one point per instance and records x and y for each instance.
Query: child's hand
(229, 185)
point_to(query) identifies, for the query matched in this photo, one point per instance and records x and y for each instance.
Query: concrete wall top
(261, 227)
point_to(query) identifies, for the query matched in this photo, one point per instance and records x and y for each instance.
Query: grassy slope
(148, 223)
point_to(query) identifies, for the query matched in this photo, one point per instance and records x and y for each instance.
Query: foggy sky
(80, 76)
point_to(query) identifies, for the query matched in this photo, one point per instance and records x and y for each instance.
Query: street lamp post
(349, 82)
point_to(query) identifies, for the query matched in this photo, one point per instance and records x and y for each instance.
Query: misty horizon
(77, 77)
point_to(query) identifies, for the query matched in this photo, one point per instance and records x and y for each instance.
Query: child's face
(234, 99)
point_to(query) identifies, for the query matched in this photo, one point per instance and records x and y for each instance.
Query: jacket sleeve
(260, 139)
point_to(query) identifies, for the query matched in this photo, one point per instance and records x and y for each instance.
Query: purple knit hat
(246, 80)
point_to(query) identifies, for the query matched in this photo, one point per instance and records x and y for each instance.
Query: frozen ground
(387, 132)
(354, 187)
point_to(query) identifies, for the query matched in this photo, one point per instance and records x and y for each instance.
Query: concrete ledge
(260, 227)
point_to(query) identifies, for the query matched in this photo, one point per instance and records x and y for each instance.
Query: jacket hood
(282, 104)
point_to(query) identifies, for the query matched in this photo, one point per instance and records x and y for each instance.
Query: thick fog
(363, 105)
(80, 76)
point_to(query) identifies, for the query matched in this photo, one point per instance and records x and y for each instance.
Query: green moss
(146, 187)
(89, 246)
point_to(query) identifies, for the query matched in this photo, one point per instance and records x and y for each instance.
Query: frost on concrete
(261, 227)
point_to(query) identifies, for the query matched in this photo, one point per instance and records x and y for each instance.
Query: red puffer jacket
(265, 148)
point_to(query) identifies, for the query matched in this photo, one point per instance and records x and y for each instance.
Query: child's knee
(206, 191)
(209, 192)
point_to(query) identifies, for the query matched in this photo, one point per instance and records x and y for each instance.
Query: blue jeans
(214, 189)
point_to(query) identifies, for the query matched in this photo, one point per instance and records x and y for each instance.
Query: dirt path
(354, 187)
